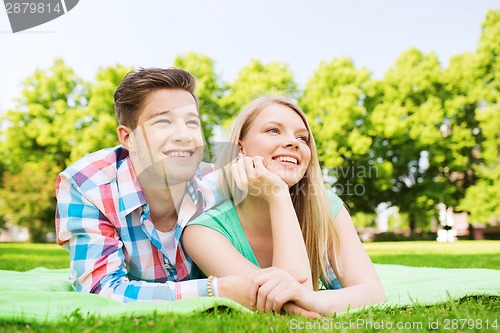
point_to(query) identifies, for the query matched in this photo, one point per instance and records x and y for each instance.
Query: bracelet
(209, 286)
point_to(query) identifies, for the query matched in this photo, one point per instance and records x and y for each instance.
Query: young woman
(281, 215)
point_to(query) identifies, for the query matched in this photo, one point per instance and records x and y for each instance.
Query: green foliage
(50, 101)
(398, 220)
(258, 79)
(481, 199)
(364, 219)
(335, 101)
(406, 123)
(57, 120)
(35, 148)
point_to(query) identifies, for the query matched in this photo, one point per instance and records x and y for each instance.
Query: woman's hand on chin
(251, 176)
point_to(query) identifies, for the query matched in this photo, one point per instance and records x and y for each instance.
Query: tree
(258, 79)
(28, 198)
(38, 139)
(481, 199)
(406, 125)
(58, 119)
(335, 101)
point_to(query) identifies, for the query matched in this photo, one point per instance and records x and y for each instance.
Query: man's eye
(193, 123)
(162, 121)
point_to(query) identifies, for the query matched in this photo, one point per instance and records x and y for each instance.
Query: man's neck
(164, 205)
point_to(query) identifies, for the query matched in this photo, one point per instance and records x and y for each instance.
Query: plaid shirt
(102, 219)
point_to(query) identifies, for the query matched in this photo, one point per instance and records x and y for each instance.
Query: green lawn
(461, 254)
(465, 315)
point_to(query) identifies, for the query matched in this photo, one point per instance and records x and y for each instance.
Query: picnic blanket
(43, 295)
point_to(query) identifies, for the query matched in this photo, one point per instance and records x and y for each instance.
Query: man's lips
(179, 153)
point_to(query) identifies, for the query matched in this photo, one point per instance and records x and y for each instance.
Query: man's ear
(124, 136)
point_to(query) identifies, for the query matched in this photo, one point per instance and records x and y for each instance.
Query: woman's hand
(246, 290)
(282, 291)
(251, 176)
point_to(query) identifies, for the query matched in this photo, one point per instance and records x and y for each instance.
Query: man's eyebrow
(162, 113)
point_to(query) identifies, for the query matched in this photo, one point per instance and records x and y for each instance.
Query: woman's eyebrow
(277, 123)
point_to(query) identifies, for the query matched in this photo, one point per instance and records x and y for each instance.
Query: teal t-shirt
(224, 219)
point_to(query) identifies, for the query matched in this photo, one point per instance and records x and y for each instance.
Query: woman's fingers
(295, 309)
(248, 163)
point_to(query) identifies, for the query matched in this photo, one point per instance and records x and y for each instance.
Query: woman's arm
(360, 282)
(289, 252)
(213, 253)
(361, 285)
(239, 279)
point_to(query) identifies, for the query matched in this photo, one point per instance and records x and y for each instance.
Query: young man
(121, 211)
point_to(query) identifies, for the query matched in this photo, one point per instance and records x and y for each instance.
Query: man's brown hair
(137, 85)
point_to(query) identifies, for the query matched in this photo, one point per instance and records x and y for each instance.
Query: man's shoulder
(96, 168)
(204, 169)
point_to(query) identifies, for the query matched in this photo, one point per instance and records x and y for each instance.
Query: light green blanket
(46, 295)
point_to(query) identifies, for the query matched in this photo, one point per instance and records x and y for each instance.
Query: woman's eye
(273, 130)
(303, 138)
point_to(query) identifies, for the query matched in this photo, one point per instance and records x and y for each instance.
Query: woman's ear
(241, 150)
(124, 136)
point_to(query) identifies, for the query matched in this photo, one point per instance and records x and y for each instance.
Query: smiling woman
(279, 214)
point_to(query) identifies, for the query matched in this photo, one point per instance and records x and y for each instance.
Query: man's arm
(97, 261)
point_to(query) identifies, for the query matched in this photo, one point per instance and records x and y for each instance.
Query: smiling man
(121, 211)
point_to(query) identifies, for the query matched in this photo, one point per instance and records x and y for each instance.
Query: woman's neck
(255, 220)
(254, 214)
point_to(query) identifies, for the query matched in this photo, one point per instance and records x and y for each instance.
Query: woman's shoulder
(218, 214)
(335, 202)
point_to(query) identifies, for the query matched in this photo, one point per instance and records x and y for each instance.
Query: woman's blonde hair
(309, 196)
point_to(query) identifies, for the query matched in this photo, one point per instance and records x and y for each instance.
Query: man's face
(167, 145)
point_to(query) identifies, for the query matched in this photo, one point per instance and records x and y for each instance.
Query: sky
(101, 33)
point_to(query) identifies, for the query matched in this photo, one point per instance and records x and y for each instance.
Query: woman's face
(279, 135)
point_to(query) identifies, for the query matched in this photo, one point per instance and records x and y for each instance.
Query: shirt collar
(131, 195)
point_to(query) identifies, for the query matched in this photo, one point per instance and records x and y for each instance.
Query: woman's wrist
(279, 197)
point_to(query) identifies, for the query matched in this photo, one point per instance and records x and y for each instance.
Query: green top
(223, 218)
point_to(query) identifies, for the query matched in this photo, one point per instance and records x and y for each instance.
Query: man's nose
(182, 133)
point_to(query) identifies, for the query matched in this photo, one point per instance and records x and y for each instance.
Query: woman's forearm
(333, 301)
(289, 252)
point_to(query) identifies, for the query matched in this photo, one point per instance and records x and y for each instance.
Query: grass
(24, 256)
(465, 315)
(461, 254)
